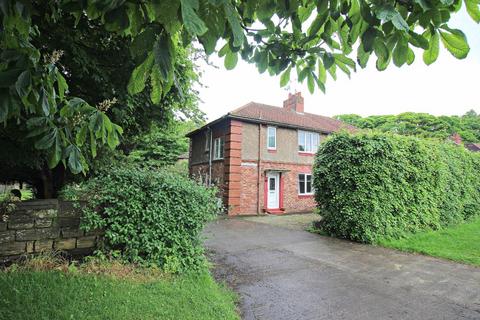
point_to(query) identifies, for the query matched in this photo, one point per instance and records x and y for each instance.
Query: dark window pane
(301, 183)
(272, 184)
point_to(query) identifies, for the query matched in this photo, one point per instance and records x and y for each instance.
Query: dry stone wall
(41, 225)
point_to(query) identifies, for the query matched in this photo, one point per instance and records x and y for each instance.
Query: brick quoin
(233, 157)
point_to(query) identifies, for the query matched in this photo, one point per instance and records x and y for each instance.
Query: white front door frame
(273, 190)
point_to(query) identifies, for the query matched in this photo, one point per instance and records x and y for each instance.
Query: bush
(148, 216)
(371, 186)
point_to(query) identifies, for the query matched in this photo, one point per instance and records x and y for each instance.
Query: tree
(421, 124)
(97, 65)
(315, 38)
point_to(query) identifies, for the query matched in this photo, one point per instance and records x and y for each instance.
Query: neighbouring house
(475, 147)
(261, 156)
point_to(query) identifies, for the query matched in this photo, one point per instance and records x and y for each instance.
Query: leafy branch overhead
(315, 39)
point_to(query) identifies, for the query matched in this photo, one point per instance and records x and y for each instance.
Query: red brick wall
(233, 159)
(292, 202)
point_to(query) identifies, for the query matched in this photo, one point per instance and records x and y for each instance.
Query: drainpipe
(258, 166)
(210, 158)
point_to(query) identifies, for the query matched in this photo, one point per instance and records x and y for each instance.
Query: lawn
(459, 243)
(36, 295)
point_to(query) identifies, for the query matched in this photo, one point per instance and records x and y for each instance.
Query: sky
(447, 87)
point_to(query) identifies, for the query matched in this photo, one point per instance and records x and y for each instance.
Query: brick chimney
(294, 102)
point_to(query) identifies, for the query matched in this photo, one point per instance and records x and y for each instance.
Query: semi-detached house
(261, 157)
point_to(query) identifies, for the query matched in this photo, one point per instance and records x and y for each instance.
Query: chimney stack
(294, 102)
(456, 138)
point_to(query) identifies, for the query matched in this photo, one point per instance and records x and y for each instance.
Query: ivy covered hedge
(149, 216)
(375, 185)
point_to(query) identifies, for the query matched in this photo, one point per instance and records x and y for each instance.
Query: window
(271, 138)
(305, 184)
(218, 148)
(308, 141)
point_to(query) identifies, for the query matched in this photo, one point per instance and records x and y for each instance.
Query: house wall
(287, 145)
(241, 177)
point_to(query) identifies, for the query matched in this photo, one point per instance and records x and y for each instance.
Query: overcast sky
(447, 87)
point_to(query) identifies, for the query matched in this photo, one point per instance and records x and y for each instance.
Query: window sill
(307, 154)
(219, 159)
(305, 196)
(272, 150)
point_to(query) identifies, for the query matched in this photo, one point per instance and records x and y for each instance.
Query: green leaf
(431, 55)
(368, 38)
(231, 59)
(285, 77)
(400, 53)
(62, 85)
(24, 84)
(56, 153)
(47, 140)
(234, 22)
(74, 162)
(139, 75)
(328, 60)
(156, 84)
(410, 56)
(455, 42)
(163, 51)
(317, 24)
(322, 72)
(418, 40)
(93, 144)
(192, 22)
(473, 9)
(400, 23)
(43, 100)
(81, 136)
(310, 83)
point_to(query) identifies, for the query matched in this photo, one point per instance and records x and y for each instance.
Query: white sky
(447, 87)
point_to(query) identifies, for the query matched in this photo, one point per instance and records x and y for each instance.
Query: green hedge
(371, 185)
(149, 217)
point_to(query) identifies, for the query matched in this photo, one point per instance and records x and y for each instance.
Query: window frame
(274, 136)
(308, 137)
(305, 193)
(218, 148)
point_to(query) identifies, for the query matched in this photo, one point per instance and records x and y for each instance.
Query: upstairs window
(305, 184)
(308, 141)
(271, 138)
(218, 144)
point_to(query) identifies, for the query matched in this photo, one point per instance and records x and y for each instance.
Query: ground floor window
(305, 184)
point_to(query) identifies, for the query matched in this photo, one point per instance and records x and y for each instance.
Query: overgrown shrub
(371, 185)
(149, 217)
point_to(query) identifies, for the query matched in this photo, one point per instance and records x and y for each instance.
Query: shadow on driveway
(282, 273)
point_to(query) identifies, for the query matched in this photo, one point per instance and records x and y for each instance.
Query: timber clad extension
(261, 157)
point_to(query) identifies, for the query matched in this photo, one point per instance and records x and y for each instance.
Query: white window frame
(312, 191)
(207, 141)
(274, 136)
(309, 139)
(218, 148)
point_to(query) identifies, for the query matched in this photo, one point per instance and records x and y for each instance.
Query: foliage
(459, 243)
(372, 185)
(315, 38)
(149, 216)
(421, 124)
(68, 291)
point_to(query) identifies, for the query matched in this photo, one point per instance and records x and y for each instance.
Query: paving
(283, 273)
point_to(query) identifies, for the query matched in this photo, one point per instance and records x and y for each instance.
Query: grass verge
(459, 243)
(103, 291)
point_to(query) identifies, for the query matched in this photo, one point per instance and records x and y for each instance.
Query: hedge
(149, 217)
(375, 185)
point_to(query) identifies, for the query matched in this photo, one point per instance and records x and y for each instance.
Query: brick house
(261, 156)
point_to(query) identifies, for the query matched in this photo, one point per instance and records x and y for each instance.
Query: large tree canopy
(315, 38)
(421, 124)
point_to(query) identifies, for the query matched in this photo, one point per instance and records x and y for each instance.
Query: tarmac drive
(282, 273)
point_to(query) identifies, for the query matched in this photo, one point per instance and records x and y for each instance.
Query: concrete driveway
(290, 274)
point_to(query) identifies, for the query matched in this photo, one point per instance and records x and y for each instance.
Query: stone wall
(41, 225)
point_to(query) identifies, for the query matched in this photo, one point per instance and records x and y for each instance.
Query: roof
(473, 146)
(262, 113)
